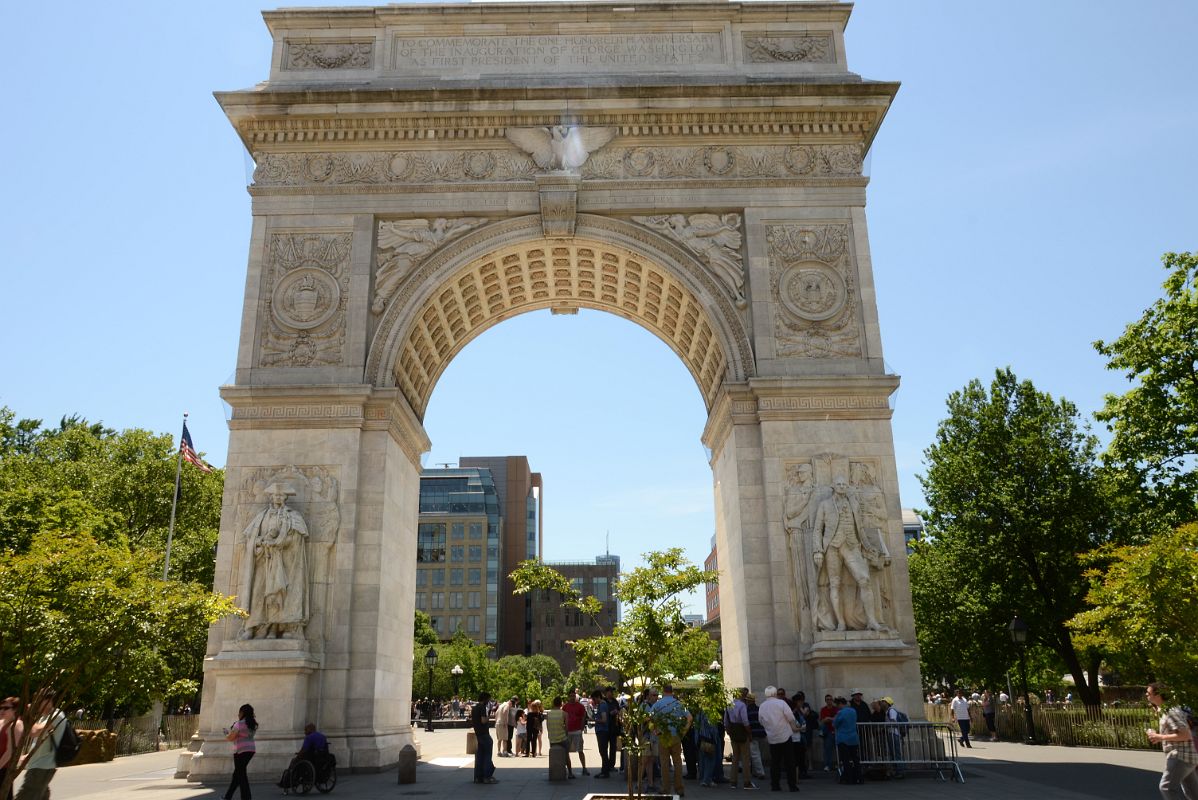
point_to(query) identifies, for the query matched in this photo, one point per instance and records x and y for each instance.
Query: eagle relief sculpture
(560, 148)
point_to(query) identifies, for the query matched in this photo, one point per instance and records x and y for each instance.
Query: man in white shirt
(960, 707)
(779, 723)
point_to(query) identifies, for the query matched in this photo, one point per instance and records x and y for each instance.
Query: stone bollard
(471, 743)
(407, 764)
(558, 758)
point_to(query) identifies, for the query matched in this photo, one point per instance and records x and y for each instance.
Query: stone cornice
(530, 14)
(433, 117)
(260, 407)
(768, 399)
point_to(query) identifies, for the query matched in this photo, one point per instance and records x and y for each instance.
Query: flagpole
(170, 534)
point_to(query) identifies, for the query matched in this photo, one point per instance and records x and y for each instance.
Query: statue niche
(839, 559)
(283, 553)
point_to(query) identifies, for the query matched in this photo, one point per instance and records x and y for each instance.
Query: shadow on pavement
(1107, 781)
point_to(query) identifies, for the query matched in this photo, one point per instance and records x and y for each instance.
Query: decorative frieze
(306, 296)
(297, 412)
(814, 290)
(804, 48)
(715, 162)
(307, 55)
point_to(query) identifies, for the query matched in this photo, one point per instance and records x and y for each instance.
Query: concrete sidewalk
(993, 771)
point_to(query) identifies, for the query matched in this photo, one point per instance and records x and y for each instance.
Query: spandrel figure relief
(836, 541)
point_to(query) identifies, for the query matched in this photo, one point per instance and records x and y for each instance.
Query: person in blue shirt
(848, 745)
(672, 722)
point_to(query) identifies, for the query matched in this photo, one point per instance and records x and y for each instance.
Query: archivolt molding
(508, 268)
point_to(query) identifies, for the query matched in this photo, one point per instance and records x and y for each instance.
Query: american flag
(189, 451)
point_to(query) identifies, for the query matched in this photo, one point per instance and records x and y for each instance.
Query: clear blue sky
(1036, 163)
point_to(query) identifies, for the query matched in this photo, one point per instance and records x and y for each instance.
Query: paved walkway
(993, 771)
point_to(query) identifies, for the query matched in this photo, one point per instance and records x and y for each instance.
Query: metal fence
(143, 734)
(901, 747)
(1072, 726)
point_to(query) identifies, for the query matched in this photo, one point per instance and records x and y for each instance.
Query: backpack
(901, 716)
(68, 746)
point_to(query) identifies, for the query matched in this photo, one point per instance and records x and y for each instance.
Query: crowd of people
(676, 741)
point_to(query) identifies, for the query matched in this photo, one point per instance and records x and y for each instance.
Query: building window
(458, 531)
(455, 599)
(476, 552)
(550, 619)
(472, 623)
(455, 577)
(438, 600)
(439, 577)
(421, 600)
(476, 577)
(601, 588)
(454, 624)
(474, 599)
(430, 542)
(476, 530)
(435, 622)
(577, 584)
(422, 577)
(457, 553)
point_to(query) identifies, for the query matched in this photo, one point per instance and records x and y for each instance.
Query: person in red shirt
(576, 716)
(828, 732)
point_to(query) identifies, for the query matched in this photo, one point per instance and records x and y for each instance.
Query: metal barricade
(901, 746)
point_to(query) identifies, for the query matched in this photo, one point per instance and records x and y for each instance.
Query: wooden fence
(1073, 725)
(142, 734)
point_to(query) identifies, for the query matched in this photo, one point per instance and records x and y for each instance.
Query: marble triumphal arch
(425, 172)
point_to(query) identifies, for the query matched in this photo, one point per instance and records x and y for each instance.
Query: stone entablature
(385, 46)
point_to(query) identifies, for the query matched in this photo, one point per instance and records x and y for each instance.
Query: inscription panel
(559, 52)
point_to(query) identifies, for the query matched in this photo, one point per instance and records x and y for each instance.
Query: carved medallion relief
(306, 299)
(814, 289)
(802, 48)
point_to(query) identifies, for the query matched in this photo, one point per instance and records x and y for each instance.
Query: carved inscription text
(566, 53)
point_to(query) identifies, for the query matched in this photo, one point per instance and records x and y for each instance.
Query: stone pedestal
(878, 665)
(273, 675)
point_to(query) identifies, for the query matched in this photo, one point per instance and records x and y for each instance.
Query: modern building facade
(555, 627)
(712, 590)
(521, 497)
(458, 545)
(912, 528)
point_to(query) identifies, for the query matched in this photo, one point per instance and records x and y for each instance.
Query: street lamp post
(430, 661)
(1018, 630)
(456, 672)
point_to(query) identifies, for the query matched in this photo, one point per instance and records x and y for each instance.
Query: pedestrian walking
(484, 762)
(1179, 781)
(960, 709)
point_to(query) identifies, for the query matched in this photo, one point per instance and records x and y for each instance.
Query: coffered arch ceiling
(510, 268)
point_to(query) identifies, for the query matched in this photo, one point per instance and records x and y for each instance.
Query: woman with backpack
(242, 736)
(12, 732)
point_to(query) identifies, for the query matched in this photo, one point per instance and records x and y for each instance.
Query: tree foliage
(1014, 500)
(92, 620)
(80, 491)
(1143, 600)
(652, 640)
(1155, 423)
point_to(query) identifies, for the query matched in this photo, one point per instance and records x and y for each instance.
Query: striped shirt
(244, 743)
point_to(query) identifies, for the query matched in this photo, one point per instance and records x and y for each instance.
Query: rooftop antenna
(607, 543)
(445, 465)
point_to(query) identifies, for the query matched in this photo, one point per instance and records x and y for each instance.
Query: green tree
(652, 639)
(1143, 601)
(1014, 500)
(85, 481)
(424, 634)
(95, 622)
(1155, 423)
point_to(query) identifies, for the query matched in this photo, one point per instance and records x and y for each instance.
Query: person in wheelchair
(313, 764)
